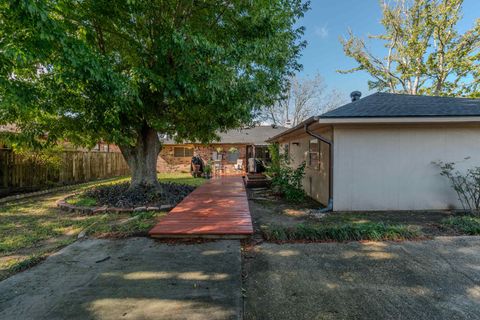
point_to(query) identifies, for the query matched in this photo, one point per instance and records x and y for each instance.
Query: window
(188, 152)
(233, 156)
(182, 152)
(313, 154)
(262, 153)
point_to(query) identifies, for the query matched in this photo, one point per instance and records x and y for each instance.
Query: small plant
(341, 232)
(466, 185)
(288, 182)
(465, 224)
(208, 170)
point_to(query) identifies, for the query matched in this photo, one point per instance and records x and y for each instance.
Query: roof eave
(297, 127)
(404, 119)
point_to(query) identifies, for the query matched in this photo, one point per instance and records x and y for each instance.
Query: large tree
(123, 70)
(301, 98)
(425, 53)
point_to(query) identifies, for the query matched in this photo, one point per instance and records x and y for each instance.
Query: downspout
(330, 165)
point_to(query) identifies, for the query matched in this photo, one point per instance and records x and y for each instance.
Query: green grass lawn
(32, 228)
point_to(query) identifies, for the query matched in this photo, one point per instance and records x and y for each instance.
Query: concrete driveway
(135, 278)
(437, 279)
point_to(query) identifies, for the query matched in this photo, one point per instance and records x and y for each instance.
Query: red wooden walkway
(216, 209)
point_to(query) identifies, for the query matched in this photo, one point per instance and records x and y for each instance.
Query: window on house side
(188, 152)
(182, 152)
(313, 154)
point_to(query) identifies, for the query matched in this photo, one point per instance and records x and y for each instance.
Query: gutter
(330, 164)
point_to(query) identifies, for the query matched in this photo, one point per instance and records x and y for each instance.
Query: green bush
(466, 185)
(465, 224)
(288, 183)
(275, 158)
(343, 232)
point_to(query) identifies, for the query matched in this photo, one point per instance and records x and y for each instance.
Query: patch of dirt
(266, 209)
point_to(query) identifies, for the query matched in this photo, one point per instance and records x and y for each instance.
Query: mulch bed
(120, 199)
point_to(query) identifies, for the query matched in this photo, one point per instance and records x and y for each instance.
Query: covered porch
(226, 159)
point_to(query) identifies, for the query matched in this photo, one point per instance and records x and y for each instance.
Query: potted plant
(207, 170)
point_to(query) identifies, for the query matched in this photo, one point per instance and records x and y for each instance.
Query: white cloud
(321, 32)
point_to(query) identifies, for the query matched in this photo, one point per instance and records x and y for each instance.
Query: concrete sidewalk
(438, 279)
(135, 278)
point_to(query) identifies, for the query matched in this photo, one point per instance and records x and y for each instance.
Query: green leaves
(185, 68)
(425, 54)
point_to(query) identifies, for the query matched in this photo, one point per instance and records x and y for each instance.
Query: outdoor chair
(218, 167)
(238, 165)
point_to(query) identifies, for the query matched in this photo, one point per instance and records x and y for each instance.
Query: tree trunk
(142, 158)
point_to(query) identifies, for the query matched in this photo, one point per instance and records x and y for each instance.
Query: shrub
(288, 182)
(466, 185)
(465, 224)
(342, 232)
(275, 158)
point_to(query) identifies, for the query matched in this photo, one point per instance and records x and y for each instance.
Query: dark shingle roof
(384, 105)
(255, 135)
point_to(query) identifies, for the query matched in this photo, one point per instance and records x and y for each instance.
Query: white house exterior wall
(390, 167)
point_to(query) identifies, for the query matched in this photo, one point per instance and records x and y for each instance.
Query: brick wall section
(167, 162)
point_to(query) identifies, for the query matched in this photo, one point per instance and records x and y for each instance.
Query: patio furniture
(218, 168)
(238, 165)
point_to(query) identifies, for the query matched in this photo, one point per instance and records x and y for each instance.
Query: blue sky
(330, 19)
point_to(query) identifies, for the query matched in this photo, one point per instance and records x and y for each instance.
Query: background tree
(425, 53)
(301, 99)
(121, 71)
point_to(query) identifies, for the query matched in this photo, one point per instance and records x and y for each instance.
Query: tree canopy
(123, 70)
(425, 53)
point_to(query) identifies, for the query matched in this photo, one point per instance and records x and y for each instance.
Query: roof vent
(274, 125)
(355, 95)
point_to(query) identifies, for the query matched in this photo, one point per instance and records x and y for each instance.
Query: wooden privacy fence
(19, 173)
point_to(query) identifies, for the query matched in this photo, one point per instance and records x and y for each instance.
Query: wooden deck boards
(217, 209)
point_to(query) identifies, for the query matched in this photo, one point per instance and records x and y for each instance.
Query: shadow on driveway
(437, 279)
(135, 278)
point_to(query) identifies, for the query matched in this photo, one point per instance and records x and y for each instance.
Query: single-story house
(236, 144)
(376, 153)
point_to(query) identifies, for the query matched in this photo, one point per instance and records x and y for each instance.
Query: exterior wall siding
(316, 180)
(390, 168)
